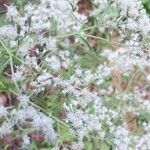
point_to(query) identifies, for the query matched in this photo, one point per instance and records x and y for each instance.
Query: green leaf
(105, 146)
(33, 146)
(2, 86)
(4, 63)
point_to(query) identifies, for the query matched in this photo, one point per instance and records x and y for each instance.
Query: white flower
(43, 80)
(13, 44)
(26, 142)
(29, 9)
(9, 32)
(77, 146)
(148, 77)
(83, 123)
(3, 111)
(24, 48)
(121, 138)
(54, 63)
(5, 128)
(23, 100)
(12, 14)
(18, 75)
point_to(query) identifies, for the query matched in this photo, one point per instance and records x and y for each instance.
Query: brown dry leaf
(49, 90)
(116, 79)
(92, 41)
(114, 38)
(93, 88)
(7, 71)
(28, 86)
(12, 142)
(84, 7)
(123, 85)
(116, 73)
(71, 39)
(62, 114)
(131, 121)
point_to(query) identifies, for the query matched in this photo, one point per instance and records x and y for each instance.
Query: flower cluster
(77, 75)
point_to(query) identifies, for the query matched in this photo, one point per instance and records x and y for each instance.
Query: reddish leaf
(3, 8)
(12, 142)
(84, 7)
(37, 137)
(32, 52)
(3, 99)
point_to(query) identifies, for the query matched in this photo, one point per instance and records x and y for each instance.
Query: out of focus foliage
(146, 4)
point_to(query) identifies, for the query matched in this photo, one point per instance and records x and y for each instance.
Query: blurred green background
(146, 4)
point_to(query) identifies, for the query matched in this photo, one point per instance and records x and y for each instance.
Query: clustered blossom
(133, 56)
(50, 41)
(3, 111)
(84, 123)
(27, 114)
(26, 142)
(121, 138)
(9, 32)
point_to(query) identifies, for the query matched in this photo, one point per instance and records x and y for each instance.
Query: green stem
(11, 60)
